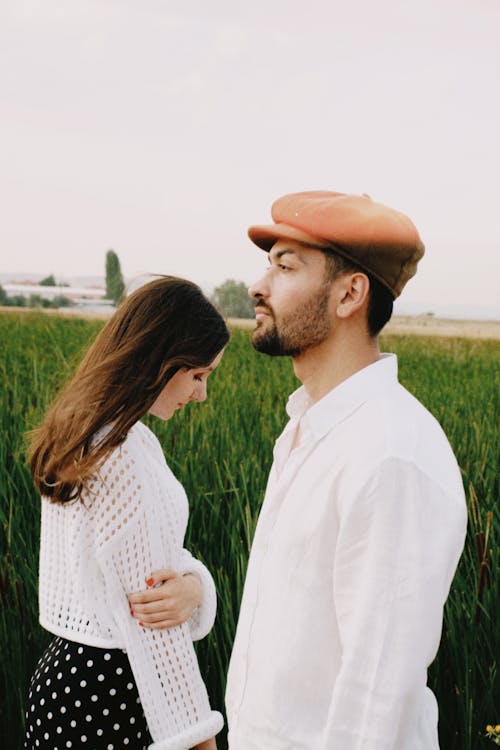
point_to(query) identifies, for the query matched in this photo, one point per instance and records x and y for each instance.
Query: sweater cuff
(203, 617)
(193, 735)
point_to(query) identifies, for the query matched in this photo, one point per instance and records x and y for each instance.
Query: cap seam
(406, 264)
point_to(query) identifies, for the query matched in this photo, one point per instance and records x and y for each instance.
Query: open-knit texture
(131, 520)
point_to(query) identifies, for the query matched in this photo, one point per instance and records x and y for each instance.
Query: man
(364, 516)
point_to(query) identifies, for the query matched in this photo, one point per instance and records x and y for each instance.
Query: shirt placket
(290, 461)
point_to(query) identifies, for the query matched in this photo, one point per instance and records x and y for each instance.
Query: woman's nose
(200, 391)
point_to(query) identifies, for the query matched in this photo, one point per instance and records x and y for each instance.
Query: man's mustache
(262, 306)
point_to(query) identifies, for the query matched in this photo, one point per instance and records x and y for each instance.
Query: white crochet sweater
(93, 553)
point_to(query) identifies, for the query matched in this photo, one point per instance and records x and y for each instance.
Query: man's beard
(299, 331)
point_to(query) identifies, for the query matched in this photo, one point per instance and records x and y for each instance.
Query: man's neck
(323, 368)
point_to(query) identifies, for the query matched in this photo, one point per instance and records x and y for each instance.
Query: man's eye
(198, 377)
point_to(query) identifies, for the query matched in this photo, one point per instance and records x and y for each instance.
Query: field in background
(425, 325)
(221, 452)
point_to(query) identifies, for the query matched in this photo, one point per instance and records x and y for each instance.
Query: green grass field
(221, 452)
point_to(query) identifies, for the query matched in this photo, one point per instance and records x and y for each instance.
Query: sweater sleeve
(203, 618)
(164, 663)
(399, 544)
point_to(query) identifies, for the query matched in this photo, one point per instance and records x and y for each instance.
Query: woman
(112, 511)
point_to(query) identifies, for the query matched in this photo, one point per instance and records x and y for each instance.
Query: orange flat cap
(381, 241)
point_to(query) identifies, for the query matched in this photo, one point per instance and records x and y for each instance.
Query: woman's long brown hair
(166, 325)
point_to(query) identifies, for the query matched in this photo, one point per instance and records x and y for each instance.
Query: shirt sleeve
(165, 667)
(399, 543)
(202, 620)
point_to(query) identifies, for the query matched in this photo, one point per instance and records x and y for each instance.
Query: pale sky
(164, 128)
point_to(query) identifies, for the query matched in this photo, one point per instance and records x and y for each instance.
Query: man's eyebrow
(276, 255)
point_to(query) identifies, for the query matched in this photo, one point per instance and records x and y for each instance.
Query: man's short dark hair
(380, 302)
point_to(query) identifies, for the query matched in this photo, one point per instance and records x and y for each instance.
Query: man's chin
(267, 342)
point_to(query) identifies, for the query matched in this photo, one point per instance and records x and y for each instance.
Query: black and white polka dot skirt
(84, 697)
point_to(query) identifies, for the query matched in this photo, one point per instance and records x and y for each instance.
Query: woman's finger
(160, 576)
(157, 616)
(160, 625)
(145, 597)
(162, 605)
(140, 597)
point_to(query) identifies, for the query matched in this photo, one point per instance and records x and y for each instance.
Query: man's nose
(258, 288)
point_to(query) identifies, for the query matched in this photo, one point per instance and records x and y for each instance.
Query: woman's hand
(206, 745)
(169, 600)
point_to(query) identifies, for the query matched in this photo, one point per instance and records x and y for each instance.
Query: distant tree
(114, 278)
(35, 300)
(48, 281)
(16, 301)
(232, 300)
(61, 301)
(4, 298)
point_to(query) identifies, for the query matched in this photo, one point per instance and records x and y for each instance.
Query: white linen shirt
(359, 535)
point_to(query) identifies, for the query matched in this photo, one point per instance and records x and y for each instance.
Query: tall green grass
(221, 452)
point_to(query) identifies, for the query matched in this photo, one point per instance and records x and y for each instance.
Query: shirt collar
(345, 398)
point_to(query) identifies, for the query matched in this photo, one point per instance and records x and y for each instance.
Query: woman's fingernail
(141, 624)
(132, 612)
(150, 581)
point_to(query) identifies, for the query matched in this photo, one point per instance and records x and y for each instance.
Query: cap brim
(264, 236)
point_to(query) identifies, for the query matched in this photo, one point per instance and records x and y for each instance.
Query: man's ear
(354, 294)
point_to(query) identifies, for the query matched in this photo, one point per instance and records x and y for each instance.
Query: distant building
(79, 296)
